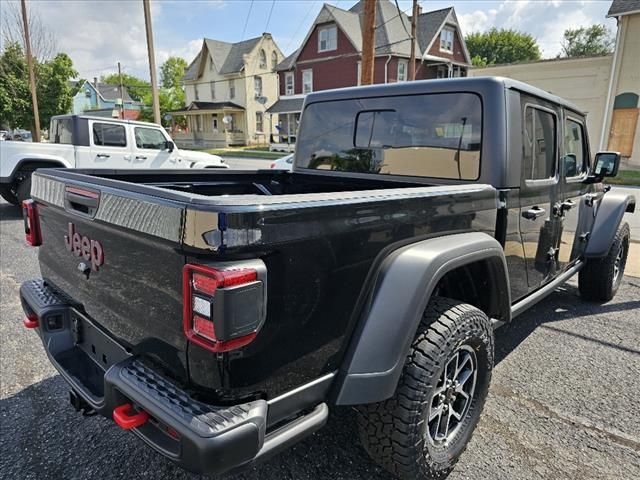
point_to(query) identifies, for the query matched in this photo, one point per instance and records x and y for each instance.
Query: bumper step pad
(41, 299)
(207, 420)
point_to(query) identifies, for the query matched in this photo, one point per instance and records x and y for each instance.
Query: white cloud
(545, 20)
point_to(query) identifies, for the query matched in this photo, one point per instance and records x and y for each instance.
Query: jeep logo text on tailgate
(83, 246)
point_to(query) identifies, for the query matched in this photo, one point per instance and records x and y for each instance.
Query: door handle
(561, 207)
(140, 157)
(533, 213)
(103, 155)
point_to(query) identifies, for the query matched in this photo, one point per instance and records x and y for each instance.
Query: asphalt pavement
(563, 403)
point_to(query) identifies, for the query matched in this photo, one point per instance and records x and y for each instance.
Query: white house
(228, 88)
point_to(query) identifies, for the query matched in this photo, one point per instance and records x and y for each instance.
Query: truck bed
(321, 238)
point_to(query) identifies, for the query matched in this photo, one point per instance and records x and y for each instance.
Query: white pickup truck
(80, 141)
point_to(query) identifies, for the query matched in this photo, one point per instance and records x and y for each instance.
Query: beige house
(621, 132)
(228, 88)
(605, 87)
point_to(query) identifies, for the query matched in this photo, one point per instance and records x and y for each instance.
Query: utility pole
(32, 77)
(368, 42)
(412, 61)
(121, 92)
(152, 61)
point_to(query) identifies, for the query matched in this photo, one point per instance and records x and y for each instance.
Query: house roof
(212, 106)
(112, 92)
(227, 57)
(287, 105)
(393, 29)
(288, 63)
(623, 7)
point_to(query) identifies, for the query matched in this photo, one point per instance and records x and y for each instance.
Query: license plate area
(94, 342)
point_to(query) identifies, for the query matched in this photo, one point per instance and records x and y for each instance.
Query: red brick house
(330, 55)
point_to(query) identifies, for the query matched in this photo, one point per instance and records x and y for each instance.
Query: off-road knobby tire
(596, 279)
(393, 431)
(8, 195)
(23, 188)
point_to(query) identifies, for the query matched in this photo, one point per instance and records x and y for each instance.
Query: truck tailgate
(120, 259)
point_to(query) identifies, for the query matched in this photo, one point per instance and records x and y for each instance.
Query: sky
(97, 34)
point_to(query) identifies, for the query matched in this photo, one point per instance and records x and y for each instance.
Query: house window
(274, 60)
(259, 117)
(446, 40)
(257, 85)
(263, 59)
(402, 70)
(195, 89)
(307, 81)
(232, 89)
(327, 38)
(442, 72)
(214, 122)
(213, 90)
(289, 83)
(359, 72)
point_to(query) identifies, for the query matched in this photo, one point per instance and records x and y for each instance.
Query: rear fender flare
(379, 345)
(39, 161)
(608, 218)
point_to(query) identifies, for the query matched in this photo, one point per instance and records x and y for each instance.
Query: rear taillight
(223, 309)
(31, 223)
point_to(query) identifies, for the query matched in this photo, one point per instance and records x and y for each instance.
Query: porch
(209, 125)
(288, 111)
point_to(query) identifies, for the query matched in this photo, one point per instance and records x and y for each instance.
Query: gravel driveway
(564, 401)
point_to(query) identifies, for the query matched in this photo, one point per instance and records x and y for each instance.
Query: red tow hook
(31, 321)
(121, 415)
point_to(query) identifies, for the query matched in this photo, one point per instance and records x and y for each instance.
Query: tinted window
(61, 131)
(539, 144)
(109, 135)
(575, 155)
(437, 135)
(150, 138)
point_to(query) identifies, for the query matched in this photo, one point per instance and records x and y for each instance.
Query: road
(563, 401)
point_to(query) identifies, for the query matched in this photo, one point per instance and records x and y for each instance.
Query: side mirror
(606, 164)
(169, 145)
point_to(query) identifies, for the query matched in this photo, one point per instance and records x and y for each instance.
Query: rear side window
(431, 135)
(539, 144)
(150, 138)
(574, 160)
(61, 131)
(109, 135)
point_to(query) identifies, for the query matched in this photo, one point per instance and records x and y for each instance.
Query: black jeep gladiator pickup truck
(219, 316)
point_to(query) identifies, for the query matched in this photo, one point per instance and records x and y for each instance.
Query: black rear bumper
(200, 437)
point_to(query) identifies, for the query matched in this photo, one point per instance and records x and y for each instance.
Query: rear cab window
(539, 143)
(429, 135)
(61, 131)
(109, 135)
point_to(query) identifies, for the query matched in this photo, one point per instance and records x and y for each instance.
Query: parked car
(22, 136)
(4, 135)
(219, 315)
(78, 141)
(284, 163)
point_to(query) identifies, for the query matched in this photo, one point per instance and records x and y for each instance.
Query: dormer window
(263, 59)
(327, 38)
(446, 40)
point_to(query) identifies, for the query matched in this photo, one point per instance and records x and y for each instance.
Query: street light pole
(32, 77)
(152, 61)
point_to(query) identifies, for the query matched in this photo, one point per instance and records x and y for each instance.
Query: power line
(300, 25)
(246, 22)
(266, 28)
(402, 20)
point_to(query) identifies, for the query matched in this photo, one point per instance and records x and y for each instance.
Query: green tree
(55, 94)
(172, 71)
(502, 46)
(587, 41)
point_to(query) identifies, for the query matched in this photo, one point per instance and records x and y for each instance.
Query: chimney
(419, 9)
(95, 82)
